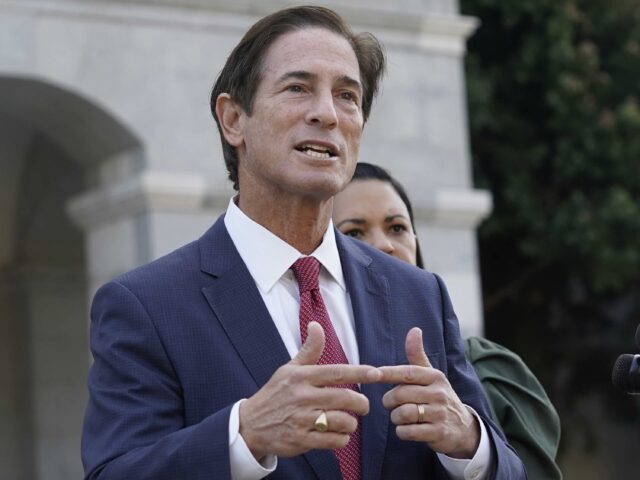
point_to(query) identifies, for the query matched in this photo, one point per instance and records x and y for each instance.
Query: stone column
(133, 217)
(446, 227)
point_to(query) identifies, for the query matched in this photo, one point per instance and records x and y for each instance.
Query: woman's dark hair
(368, 171)
(243, 70)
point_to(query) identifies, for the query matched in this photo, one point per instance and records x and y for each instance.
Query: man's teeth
(316, 151)
(314, 154)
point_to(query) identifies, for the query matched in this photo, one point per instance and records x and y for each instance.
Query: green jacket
(520, 405)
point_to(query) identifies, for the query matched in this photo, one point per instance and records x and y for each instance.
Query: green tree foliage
(554, 90)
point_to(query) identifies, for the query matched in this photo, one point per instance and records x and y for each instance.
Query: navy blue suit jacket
(178, 341)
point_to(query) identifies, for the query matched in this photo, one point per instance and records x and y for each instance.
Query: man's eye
(348, 96)
(295, 88)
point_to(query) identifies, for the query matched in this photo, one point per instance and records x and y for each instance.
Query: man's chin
(323, 188)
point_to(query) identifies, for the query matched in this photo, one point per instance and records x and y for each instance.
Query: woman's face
(372, 211)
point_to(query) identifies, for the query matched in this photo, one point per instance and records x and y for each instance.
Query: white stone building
(109, 158)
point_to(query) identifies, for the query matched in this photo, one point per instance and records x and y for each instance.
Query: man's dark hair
(243, 69)
(369, 171)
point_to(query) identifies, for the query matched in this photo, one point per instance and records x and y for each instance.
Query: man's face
(303, 135)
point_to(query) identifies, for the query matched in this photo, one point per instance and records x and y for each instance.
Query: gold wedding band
(321, 424)
(420, 413)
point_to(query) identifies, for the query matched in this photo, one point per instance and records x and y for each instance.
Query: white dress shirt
(268, 259)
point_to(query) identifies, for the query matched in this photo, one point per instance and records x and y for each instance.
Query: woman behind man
(375, 208)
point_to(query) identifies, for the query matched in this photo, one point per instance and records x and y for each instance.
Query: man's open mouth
(316, 151)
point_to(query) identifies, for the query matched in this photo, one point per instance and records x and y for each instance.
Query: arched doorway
(52, 142)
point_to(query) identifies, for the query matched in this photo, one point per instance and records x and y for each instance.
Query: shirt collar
(268, 257)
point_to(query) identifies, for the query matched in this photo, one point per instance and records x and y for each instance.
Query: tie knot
(306, 270)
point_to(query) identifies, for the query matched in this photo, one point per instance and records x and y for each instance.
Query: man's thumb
(415, 348)
(312, 348)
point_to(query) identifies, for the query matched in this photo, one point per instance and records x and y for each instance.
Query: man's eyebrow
(304, 75)
(357, 221)
(352, 82)
(296, 74)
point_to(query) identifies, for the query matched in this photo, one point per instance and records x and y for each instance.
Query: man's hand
(279, 418)
(446, 424)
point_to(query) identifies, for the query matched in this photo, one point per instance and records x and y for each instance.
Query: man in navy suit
(200, 370)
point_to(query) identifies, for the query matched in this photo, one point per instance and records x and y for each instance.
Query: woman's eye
(398, 228)
(353, 233)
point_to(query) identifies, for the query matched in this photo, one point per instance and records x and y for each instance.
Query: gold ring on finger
(321, 424)
(420, 413)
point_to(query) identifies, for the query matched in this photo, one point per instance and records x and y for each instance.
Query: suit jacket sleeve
(507, 464)
(134, 424)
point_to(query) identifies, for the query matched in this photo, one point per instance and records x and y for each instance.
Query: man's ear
(231, 117)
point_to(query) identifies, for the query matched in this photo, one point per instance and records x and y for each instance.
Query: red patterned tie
(312, 307)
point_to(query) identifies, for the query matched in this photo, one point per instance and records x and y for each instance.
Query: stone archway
(52, 142)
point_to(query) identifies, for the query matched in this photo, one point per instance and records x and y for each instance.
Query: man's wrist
(242, 461)
(471, 440)
(246, 434)
(479, 465)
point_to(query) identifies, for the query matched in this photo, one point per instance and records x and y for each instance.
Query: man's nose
(322, 111)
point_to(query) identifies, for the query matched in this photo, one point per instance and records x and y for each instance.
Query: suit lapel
(238, 306)
(369, 298)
